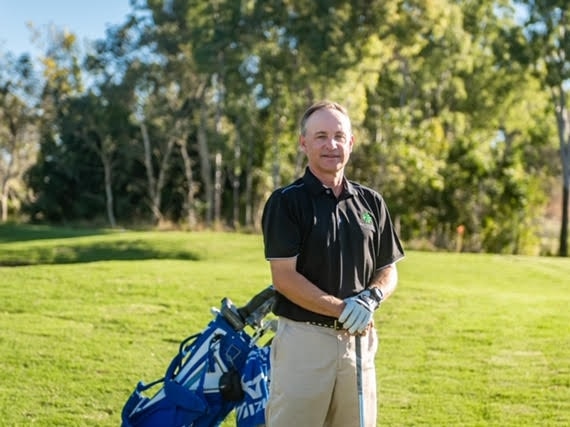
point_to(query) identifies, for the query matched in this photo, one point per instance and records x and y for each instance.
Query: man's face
(327, 141)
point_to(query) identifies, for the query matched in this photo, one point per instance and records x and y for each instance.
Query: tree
(191, 110)
(443, 99)
(79, 131)
(543, 41)
(18, 128)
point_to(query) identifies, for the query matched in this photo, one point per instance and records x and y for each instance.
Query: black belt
(331, 324)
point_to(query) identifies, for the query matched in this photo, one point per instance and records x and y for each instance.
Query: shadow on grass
(112, 251)
(24, 232)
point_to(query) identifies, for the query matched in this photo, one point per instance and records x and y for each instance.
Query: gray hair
(319, 105)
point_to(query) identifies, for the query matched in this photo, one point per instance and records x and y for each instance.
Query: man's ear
(302, 144)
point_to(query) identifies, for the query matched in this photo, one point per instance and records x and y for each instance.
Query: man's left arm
(385, 279)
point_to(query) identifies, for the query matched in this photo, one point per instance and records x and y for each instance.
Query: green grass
(467, 340)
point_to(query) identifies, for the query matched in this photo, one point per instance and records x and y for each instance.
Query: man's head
(326, 138)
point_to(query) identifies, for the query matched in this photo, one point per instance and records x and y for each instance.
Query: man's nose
(331, 142)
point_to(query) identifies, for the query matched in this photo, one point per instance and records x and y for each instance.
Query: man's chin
(331, 162)
(331, 170)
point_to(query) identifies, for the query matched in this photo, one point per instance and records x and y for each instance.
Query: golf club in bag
(215, 371)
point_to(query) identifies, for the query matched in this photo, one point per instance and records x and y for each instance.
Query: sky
(86, 19)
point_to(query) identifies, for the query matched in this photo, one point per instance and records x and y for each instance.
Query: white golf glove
(359, 309)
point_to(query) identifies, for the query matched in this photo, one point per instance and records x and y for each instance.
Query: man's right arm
(296, 288)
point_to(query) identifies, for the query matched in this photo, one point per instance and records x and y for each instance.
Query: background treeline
(186, 114)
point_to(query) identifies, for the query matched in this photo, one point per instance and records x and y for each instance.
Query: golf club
(357, 339)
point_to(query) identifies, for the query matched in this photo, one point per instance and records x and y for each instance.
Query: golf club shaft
(359, 379)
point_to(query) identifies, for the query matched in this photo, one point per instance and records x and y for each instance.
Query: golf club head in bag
(214, 372)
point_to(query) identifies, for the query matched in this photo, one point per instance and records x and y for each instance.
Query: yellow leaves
(435, 128)
(61, 64)
(68, 40)
(56, 75)
(50, 64)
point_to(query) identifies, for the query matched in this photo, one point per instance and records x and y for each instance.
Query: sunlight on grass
(470, 340)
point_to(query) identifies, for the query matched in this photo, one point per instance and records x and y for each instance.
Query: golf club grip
(256, 302)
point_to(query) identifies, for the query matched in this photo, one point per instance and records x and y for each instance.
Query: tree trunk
(102, 147)
(249, 185)
(151, 182)
(563, 124)
(162, 174)
(205, 165)
(276, 171)
(10, 172)
(563, 250)
(235, 182)
(190, 205)
(218, 189)
(155, 185)
(107, 170)
(4, 203)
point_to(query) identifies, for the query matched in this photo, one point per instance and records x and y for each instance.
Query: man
(332, 251)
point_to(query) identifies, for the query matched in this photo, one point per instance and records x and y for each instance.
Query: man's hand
(359, 309)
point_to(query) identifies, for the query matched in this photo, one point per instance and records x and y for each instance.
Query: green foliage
(449, 130)
(449, 100)
(466, 340)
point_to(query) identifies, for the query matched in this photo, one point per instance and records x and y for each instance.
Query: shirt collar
(317, 187)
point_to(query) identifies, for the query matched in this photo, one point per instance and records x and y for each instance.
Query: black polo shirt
(339, 243)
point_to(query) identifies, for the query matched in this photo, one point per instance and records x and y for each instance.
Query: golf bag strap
(185, 348)
(141, 386)
(178, 392)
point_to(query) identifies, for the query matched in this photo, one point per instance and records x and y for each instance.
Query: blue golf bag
(215, 371)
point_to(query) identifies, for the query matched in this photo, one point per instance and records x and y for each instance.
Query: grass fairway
(467, 340)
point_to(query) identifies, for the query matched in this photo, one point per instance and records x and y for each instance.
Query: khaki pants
(313, 377)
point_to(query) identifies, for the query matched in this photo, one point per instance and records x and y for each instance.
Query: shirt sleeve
(281, 228)
(390, 249)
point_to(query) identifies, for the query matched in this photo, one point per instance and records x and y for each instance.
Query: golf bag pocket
(178, 407)
(230, 386)
(250, 412)
(191, 394)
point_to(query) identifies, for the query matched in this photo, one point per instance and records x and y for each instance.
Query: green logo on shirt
(367, 218)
